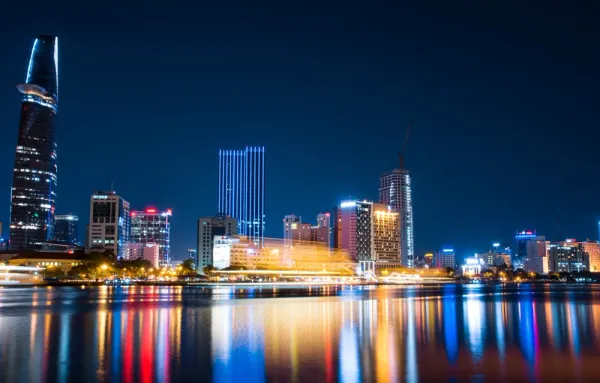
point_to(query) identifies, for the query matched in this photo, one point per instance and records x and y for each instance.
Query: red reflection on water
(147, 349)
(128, 352)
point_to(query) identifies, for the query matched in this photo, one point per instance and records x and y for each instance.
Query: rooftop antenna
(112, 190)
(401, 156)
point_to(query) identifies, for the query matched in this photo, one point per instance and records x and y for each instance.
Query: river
(451, 333)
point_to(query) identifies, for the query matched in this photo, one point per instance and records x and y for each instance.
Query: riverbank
(82, 283)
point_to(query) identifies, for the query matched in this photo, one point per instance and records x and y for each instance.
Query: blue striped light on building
(242, 189)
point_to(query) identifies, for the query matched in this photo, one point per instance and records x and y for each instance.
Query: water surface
(452, 333)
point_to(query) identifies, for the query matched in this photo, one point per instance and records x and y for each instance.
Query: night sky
(503, 105)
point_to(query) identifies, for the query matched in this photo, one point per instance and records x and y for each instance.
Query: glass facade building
(242, 190)
(66, 228)
(33, 193)
(395, 190)
(153, 226)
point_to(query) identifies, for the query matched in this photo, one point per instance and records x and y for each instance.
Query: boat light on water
(19, 275)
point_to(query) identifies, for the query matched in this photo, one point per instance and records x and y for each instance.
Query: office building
(370, 232)
(295, 230)
(153, 226)
(536, 257)
(3, 241)
(395, 191)
(593, 251)
(242, 190)
(568, 256)
(66, 229)
(352, 229)
(322, 231)
(522, 238)
(110, 223)
(428, 260)
(33, 192)
(193, 256)
(445, 257)
(488, 258)
(290, 222)
(147, 251)
(208, 228)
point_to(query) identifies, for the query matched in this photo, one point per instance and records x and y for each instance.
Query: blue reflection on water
(239, 352)
(526, 331)
(450, 329)
(349, 361)
(63, 357)
(116, 344)
(500, 330)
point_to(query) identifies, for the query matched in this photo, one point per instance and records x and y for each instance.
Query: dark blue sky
(503, 105)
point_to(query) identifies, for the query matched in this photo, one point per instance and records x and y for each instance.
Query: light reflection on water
(385, 334)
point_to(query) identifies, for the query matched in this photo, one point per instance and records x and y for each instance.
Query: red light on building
(169, 211)
(150, 210)
(133, 214)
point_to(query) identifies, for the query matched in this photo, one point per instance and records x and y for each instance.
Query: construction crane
(401, 156)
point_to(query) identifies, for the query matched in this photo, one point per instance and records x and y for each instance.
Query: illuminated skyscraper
(33, 193)
(395, 191)
(153, 226)
(66, 229)
(242, 190)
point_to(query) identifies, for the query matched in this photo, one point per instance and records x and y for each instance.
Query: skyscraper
(153, 226)
(110, 222)
(395, 191)
(33, 193)
(242, 190)
(66, 229)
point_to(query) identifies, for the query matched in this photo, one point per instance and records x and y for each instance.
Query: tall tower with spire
(395, 190)
(33, 193)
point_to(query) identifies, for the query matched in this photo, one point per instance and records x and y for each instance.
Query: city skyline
(469, 160)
